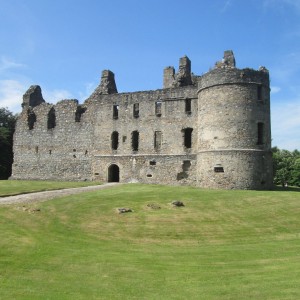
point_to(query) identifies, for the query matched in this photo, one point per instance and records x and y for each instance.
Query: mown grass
(16, 187)
(221, 245)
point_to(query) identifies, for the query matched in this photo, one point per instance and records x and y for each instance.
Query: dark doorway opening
(113, 173)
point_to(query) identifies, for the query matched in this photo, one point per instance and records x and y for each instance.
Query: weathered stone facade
(209, 131)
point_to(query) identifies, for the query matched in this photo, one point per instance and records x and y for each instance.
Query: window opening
(149, 175)
(79, 111)
(186, 165)
(136, 110)
(115, 111)
(31, 119)
(124, 138)
(50, 152)
(157, 140)
(188, 106)
(152, 163)
(187, 137)
(36, 149)
(158, 105)
(219, 169)
(259, 93)
(260, 133)
(114, 140)
(51, 118)
(135, 140)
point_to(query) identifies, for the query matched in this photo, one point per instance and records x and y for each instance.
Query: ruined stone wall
(211, 131)
(60, 153)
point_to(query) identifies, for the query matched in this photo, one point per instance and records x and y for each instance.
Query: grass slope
(16, 187)
(221, 245)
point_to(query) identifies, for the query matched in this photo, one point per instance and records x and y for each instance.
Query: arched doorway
(113, 173)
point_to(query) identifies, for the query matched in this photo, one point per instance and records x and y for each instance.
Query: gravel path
(43, 196)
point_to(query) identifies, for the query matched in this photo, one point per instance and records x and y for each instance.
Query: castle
(210, 131)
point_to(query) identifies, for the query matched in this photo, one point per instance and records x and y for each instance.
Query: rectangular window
(260, 133)
(114, 140)
(259, 93)
(219, 169)
(157, 140)
(135, 140)
(136, 110)
(188, 106)
(115, 111)
(187, 137)
(158, 105)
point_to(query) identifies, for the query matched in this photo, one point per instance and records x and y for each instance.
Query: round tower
(234, 132)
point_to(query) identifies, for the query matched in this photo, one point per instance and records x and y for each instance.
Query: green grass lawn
(16, 187)
(221, 245)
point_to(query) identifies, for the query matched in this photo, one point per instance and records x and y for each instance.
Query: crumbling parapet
(33, 97)
(182, 78)
(107, 84)
(228, 60)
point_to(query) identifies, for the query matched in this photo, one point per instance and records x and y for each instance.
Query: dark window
(259, 93)
(260, 133)
(124, 138)
(187, 137)
(114, 140)
(149, 175)
(219, 169)
(157, 140)
(135, 140)
(186, 165)
(51, 118)
(115, 111)
(188, 106)
(158, 108)
(152, 163)
(79, 111)
(136, 110)
(31, 119)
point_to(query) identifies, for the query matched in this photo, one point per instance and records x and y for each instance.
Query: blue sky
(63, 45)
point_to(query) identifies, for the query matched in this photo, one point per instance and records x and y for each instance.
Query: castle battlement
(208, 131)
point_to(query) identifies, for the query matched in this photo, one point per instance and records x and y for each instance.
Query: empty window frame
(136, 110)
(135, 140)
(115, 140)
(219, 169)
(157, 140)
(188, 106)
(115, 111)
(158, 105)
(79, 111)
(260, 133)
(31, 119)
(259, 93)
(51, 118)
(187, 137)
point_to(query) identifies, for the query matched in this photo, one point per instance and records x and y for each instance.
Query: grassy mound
(220, 245)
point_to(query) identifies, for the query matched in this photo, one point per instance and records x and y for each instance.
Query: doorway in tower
(113, 173)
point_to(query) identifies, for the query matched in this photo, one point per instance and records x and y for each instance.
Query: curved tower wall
(234, 134)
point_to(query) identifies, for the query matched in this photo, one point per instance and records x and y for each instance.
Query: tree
(7, 128)
(286, 166)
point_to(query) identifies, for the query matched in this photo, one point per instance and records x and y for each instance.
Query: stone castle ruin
(210, 131)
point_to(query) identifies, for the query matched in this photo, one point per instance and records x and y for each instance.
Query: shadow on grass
(287, 189)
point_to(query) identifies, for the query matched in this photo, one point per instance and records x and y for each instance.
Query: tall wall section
(159, 118)
(234, 134)
(50, 144)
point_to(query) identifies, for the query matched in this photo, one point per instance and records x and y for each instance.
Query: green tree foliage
(286, 166)
(7, 128)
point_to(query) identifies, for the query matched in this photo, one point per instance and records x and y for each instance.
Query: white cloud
(89, 88)
(53, 96)
(275, 89)
(278, 4)
(7, 63)
(11, 94)
(286, 124)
